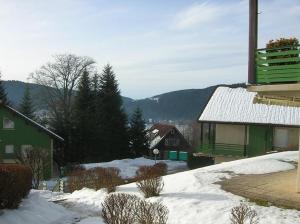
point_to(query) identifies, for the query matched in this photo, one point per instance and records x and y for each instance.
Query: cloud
(196, 15)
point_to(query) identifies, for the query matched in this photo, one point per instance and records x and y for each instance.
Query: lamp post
(155, 152)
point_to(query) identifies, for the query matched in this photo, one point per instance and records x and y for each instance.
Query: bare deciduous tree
(36, 159)
(61, 78)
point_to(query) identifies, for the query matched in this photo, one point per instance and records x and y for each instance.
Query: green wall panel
(23, 133)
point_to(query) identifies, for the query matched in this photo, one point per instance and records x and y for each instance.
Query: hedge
(195, 162)
(15, 184)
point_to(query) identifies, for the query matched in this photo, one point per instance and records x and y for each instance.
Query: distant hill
(176, 105)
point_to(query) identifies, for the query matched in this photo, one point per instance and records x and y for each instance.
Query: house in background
(169, 141)
(18, 132)
(234, 126)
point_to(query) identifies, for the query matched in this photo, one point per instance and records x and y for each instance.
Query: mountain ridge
(176, 105)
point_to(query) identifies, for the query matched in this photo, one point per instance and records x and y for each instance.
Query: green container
(183, 156)
(172, 155)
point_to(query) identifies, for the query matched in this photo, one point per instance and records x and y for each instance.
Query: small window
(9, 149)
(8, 124)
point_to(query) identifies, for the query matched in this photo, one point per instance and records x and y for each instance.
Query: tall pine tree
(3, 95)
(111, 119)
(84, 125)
(26, 106)
(137, 133)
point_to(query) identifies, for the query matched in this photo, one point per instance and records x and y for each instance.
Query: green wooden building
(18, 132)
(234, 125)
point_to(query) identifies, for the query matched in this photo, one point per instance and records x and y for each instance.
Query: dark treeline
(86, 109)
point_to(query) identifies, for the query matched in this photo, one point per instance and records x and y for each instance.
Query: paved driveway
(276, 188)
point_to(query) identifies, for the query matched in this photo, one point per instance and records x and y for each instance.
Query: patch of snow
(155, 141)
(129, 167)
(156, 99)
(236, 105)
(36, 210)
(155, 131)
(192, 197)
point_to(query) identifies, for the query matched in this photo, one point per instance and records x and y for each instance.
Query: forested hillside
(176, 105)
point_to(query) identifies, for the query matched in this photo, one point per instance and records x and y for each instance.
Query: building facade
(233, 125)
(169, 141)
(17, 132)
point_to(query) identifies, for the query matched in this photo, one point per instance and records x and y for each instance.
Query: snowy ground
(191, 197)
(128, 167)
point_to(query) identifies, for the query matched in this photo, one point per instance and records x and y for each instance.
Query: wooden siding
(23, 133)
(278, 65)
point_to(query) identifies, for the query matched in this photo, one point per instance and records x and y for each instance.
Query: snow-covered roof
(235, 105)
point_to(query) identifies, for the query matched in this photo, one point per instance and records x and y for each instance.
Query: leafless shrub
(243, 214)
(149, 181)
(120, 208)
(96, 178)
(152, 213)
(110, 178)
(36, 159)
(162, 168)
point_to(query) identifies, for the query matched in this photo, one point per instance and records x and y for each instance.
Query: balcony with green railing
(278, 65)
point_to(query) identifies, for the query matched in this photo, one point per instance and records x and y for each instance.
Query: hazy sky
(155, 46)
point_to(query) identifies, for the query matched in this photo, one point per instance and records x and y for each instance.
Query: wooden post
(298, 171)
(253, 11)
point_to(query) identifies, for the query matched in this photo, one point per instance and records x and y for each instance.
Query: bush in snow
(109, 178)
(149, 180)
(120, 208)
(151, 213)
(15, 184)
(96, 178)
(162, 168)
(243, 214)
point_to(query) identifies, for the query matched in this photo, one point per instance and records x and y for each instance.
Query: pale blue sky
(155, 46)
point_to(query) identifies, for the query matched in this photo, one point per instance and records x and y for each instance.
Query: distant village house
(169, 141)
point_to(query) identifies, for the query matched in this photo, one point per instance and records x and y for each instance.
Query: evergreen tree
(3, 95)
(84, 125)
(137, 133)
(111, 119)
(26, 106)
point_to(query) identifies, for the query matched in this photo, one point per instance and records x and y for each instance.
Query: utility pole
(253, 14)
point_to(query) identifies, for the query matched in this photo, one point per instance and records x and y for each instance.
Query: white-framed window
(9, 149)
(8, 124)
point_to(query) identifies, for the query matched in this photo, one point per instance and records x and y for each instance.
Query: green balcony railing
(278, 65)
